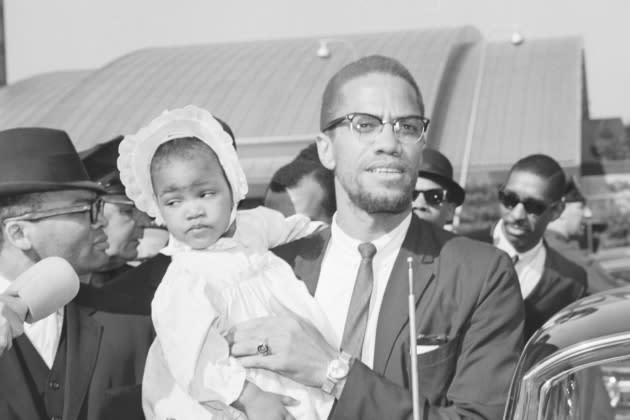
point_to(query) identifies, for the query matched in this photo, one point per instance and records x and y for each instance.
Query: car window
(596, 392)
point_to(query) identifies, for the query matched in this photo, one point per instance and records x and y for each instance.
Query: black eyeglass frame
(509, 200)
(441, 194)
(94, 208)
(394, 123)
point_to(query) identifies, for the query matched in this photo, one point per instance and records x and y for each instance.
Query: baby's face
(194, 198)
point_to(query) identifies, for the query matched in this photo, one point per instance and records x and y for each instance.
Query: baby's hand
(262, 405)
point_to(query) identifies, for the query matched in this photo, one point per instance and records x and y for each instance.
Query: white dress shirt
(339, 272)
(530, 264)
(44, 334)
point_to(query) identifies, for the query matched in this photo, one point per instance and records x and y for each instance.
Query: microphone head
(46, 287)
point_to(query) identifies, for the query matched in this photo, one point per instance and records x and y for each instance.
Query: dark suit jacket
(562, 282)
(129, 293)
(465, 290)
(104, 366)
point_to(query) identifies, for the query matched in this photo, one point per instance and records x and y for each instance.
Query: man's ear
(325, 151)
(16, 233)
(557, 211)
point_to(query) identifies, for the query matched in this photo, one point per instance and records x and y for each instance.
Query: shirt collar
(501, 242)
(391, 240)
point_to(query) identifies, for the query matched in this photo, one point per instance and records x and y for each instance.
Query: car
(577, 366)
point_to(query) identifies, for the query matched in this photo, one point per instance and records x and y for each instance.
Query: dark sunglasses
(510, 199)
(433, 197)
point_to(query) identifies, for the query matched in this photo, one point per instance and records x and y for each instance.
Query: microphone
(415, 400)
(44, 288)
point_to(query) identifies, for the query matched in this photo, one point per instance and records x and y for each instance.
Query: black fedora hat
(436, 167)
(37, 159)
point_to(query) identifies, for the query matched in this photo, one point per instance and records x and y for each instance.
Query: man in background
(436, 195)
(564, 233)
(303, 186)
(125, 223)
(530, 199)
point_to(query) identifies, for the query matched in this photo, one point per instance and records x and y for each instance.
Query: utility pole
(3, 55)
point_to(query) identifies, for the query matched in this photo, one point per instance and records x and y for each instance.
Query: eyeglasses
(510, 199)
(433, 197)
(95, 209)
(366, 127)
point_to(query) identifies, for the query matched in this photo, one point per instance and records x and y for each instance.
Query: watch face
(337, 369)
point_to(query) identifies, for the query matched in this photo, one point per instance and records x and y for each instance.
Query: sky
(45, 35)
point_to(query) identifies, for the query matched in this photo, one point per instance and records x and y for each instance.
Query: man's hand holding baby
(296, 348)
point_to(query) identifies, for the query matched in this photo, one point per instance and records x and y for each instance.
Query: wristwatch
(336, 372)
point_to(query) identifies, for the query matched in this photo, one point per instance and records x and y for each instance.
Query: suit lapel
(307, 267)
(84, 338)
(394, 315)
(13, 387)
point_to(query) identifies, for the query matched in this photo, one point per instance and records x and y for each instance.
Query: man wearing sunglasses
(373, 125)
(530, 199)
(78, 363)
(436, 195)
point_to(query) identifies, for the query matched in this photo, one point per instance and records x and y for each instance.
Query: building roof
(25, 102)
(530, 101)
(270, 93)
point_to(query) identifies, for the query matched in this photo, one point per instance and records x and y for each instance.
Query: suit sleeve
(490, 346)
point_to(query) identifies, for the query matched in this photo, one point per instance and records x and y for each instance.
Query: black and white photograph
(290, 210)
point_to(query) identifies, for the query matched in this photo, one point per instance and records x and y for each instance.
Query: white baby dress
(189, 372)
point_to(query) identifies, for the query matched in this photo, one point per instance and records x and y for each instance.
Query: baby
(183, 169)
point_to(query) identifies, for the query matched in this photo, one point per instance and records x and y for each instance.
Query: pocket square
(425, 349)
(427, 342)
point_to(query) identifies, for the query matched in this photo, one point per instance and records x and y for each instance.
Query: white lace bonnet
(136, 152)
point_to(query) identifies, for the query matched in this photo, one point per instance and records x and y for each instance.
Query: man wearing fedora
(436, 195)
(78, 363)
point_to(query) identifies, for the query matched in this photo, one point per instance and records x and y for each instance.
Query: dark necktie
(356, 321)
(515, 259)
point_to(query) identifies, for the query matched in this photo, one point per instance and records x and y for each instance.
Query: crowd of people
(292, 310)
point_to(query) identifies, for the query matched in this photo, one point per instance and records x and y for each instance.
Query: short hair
(362, 67)
(17, 205)
(546, 168)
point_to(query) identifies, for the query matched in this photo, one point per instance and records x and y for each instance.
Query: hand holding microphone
(35, 294)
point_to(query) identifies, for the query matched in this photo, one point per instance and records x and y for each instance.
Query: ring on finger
(263, 348)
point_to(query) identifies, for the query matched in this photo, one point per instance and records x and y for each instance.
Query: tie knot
(367, 250)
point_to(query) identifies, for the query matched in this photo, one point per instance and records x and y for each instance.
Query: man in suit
(436, 195)
(78, 363)
(530, 199)
(564, 233)
(468, 307)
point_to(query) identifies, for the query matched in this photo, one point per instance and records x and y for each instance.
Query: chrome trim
(576, 349)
